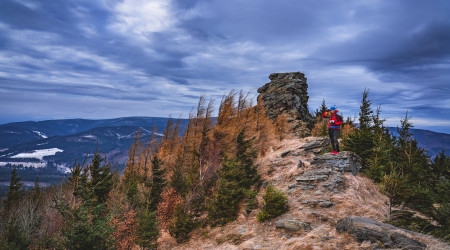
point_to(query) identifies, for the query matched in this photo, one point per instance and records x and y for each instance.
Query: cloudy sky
(114, 58)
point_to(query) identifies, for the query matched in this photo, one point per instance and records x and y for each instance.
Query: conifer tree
(322, 109)
(361, 140)
(178, 180)
(149, 232)
(365, 113)
(394, 187)
(15, 192)
(158, 182)
(246, 156)
(101, 178)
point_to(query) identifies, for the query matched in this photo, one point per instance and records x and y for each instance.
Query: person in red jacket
(334, 124)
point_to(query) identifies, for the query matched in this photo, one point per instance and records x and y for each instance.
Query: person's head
(333, 110)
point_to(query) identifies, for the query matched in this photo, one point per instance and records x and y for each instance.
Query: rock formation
(287, 94)
(367, 229)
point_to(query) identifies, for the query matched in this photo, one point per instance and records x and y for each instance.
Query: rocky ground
(324, 191)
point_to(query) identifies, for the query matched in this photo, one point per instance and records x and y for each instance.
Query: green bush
(274, 204)
(181, 224)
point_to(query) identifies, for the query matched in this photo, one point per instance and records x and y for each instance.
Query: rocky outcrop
(292, 225)
(364, 229)
(343, 162)
(287, 94)
(317, 146)
(327, 171)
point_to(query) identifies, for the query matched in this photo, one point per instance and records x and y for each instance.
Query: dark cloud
(136, 57)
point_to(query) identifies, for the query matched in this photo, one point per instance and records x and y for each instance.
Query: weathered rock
(335, 183)
(316, 145)
(368, 229)
(326, 204)
(287, 94)
(321, 203)
(293, 225)
(285, 153)
(312, 178)
(344, 161)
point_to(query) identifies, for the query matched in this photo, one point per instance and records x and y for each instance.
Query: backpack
(339, 118)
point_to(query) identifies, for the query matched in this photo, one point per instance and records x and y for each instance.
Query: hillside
(318, 195)
(431, 141)
(16, 133)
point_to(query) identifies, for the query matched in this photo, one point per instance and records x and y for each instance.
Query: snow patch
(158, 134)
(38, 154)
(89, 136)
(40, 134)
(25, 164)
(62, 168)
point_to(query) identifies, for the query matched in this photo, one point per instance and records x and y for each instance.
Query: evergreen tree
(322, 109)
(15, 192)
(101, 178)
(181, 224)
(224, 205)
(158, 182)
(365, 113)
(178, 180)
(246, 156)
(87, 223)
(275, 203)
(393, 186)
(361, 141)
(149, 232)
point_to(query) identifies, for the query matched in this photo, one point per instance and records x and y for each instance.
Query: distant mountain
(12, 134)
(48, 149)
(431, 141)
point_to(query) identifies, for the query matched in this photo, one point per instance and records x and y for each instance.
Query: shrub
(274, 204)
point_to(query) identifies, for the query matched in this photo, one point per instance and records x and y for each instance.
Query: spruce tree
(361, 140)
(158, 183)
(149, 232)
(101, 178)
(246, 156)
(15, 192)
(365, 113)
(182, 224)
(224, 205)
(178, 180)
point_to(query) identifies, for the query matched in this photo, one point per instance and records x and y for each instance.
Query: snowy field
(38, 154)
(25, 164)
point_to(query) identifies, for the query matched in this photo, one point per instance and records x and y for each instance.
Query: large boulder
(364, 229)
(287, 94)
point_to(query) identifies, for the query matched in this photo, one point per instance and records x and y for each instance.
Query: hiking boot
(333, 152)
(336, 152)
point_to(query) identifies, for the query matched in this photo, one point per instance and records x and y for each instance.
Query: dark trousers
(333, 133)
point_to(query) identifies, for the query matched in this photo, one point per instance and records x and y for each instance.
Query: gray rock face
(327, 170)
(367, 229)
(287, 93)
(344, 161)
(292, 225)
(317, 145)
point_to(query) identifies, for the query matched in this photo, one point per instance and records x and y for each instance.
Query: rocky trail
(331, 206)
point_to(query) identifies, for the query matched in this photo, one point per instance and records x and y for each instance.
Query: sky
(114, 58)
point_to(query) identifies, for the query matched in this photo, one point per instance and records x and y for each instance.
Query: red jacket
(337, 122)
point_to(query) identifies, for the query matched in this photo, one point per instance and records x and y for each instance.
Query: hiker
(333, 128)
